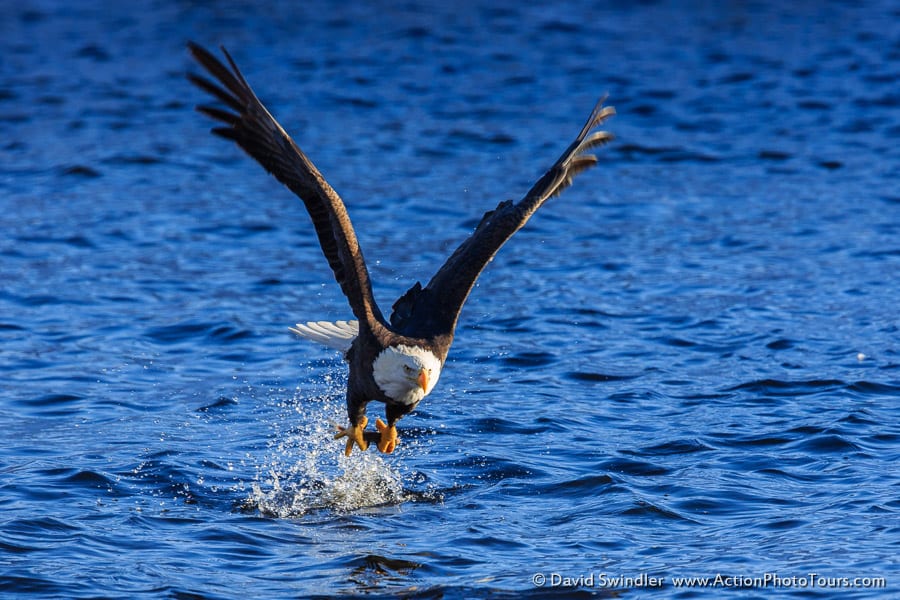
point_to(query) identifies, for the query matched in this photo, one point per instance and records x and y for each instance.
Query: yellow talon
(388, 436)
(354, 435)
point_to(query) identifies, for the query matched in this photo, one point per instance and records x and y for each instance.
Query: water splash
(306, 470)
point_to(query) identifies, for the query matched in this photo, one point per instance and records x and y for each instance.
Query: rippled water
(687, 365)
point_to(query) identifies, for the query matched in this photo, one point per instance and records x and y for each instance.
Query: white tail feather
(338, 335)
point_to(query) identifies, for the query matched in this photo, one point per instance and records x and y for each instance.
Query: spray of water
(305, 469)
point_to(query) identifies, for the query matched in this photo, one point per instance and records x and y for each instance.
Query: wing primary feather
(219, 71)
(219, 114)
(225, 132)
(595, 140)
(234, 68)
(599, 114)
(211, 88)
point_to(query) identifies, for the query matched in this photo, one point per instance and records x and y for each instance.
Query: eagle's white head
(406, 374)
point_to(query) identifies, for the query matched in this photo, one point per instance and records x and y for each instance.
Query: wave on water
(305, 469)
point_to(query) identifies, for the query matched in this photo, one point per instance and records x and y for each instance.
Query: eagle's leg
(388, 440)
(388, 431)
(355, 434)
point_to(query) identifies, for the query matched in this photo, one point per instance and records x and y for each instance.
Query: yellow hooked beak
(423, 379)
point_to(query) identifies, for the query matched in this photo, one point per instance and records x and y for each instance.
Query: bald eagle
(396, 361)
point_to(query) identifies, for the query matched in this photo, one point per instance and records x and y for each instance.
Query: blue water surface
(686, 365)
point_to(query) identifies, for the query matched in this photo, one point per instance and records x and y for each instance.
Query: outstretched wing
(256, 131)
(436, 307)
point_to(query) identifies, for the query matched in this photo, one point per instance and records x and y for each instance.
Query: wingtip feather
(599, 114)
(595, 140)
(218, 114)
